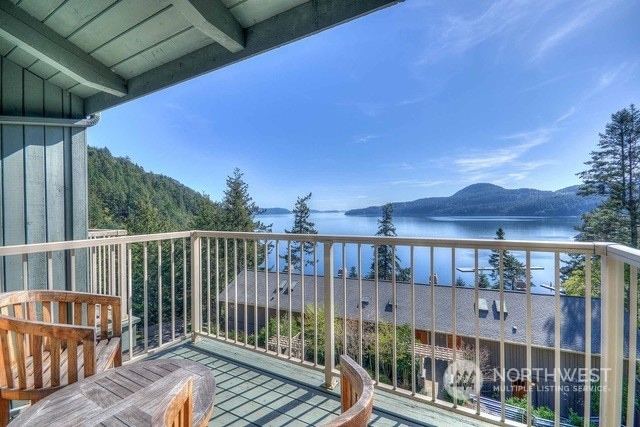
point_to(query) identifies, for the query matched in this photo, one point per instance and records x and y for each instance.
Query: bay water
(516, 228)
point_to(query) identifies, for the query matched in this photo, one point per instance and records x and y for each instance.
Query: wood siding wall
(43, 186)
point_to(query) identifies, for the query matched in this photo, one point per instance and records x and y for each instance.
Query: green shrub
(520, 402)
(544, 412)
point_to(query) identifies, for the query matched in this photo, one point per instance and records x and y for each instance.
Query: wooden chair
(49, 339)
(356, 395)
(176, 410)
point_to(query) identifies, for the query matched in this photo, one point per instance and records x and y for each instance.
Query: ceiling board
(42, 69)
(114, 21)
(74, 14)
(162, 53)
(40, 9)
(22, 57)
(156, 29)
(63, 81)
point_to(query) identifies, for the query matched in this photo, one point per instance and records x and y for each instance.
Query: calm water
(516, 228)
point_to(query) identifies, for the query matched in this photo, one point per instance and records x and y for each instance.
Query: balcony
(265, 329)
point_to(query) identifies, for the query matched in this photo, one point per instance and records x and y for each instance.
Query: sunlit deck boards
(255, 389)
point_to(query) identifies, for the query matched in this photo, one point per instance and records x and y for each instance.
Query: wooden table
(127, 395)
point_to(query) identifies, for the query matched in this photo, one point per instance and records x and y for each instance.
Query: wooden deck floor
(255, 389)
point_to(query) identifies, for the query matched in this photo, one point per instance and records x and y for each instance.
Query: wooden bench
(356, 395)
(176, 410)
(49, 339)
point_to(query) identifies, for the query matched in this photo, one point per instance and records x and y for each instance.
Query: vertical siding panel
(80, 192)
(54, 177)
(2, 181)
(13, 169)
(36, 229)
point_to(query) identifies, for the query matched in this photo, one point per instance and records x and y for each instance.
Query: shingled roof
(572, 309)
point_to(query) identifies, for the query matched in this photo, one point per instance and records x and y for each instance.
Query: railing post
(329, 348)
(196, 286)
(612, 330)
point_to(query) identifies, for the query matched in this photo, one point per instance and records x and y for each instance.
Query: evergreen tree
(208, 216)
(483, 281)
(513, 270)
(614, 170)
(238, 212)
(301, 225)
(385, 260)
(353, 272)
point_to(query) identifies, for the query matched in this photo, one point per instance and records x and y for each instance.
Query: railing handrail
(32, 248)
(519, 245)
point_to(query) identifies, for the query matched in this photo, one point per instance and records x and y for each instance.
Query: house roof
(111, 51)
(572, 309)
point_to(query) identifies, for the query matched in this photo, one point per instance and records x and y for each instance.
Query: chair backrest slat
(6, 378)
(55, 362)
(36, 352)
(72, 360)
(77, 313)
(62, 313)
(104, 323)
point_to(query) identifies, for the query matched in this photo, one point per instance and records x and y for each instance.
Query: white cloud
(588, 11)
(363, 139)
(417, 183)
(457, 34)
(412, 101)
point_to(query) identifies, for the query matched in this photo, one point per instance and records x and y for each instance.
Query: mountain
(493, 200)
(117, 186)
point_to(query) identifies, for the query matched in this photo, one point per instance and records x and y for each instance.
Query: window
(423, 337)
(459, 341)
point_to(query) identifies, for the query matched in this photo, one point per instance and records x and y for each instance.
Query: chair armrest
(45, 329)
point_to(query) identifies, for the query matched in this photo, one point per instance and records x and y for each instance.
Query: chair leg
(4, 412)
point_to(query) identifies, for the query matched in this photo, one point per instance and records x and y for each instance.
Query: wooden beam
(29, 34)
(301, 21)
(213, 19)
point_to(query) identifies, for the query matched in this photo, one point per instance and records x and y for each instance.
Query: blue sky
(418, 100)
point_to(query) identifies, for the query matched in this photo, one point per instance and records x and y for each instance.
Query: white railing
(235, 287)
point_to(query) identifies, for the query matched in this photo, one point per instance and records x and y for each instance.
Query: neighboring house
(572, 327)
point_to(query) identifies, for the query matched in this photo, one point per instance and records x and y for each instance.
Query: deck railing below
(292, 297)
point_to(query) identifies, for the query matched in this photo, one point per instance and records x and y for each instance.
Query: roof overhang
(113, 51)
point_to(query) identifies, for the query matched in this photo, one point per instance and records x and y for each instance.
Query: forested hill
(493, 200)
(119, 188)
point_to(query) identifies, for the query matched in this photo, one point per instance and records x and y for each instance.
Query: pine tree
(385, 261)
(238, 212)
(614, 169)
(301, 225)
(512, 269)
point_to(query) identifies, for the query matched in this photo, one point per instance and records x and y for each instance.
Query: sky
(418, 100)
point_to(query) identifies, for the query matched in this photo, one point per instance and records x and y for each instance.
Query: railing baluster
(587, 344)
(360, 326)
(558, 341)
(377, 321)
(245, 307)
(255, 292)
(315, 304)
(160, 330)
(329, 349)
(454, 315)
(266, 295)
(302, 307)
(196, 286)
(432, 335)
(344, 299)
(476, 317)
(50, 270)
(413, 321)
(217, 255)
(130, 299)
(502, 349)
(145, 282)
(394, 317)
(173, 289)
(528, 328)
(289, 312)
(235, 290)
(208, 285)
(633, 334)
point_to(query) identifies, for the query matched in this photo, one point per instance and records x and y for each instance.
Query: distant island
(493, 200)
